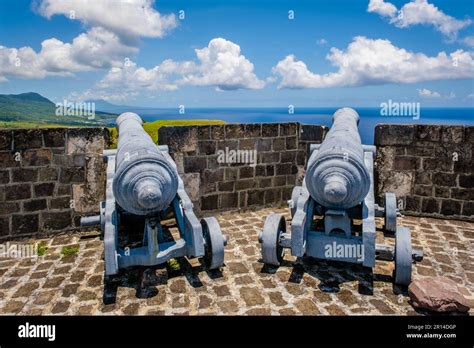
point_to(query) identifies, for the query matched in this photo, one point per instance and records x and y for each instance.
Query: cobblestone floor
(73, 285)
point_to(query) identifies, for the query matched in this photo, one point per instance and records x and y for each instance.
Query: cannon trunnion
(338, 188)
(143, 191)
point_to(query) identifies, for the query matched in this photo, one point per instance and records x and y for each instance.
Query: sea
(369, 117)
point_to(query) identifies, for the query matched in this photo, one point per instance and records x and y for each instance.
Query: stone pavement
(73, 284)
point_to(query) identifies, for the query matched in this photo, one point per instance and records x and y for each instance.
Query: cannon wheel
(214, 248)
(403, 256)
(272, 252)
(390, 212)
(294, 197)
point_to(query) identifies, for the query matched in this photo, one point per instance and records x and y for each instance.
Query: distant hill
(105, 106)
(33, 108)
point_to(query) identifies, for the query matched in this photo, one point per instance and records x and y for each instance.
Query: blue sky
(332, 53)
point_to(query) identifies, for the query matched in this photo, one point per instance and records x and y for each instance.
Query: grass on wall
(152, 128)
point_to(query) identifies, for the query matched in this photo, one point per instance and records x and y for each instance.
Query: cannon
(338, 190)
(144, 189)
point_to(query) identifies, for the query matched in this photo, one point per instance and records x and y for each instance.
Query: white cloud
(125, 18)
(419, 12)
(322, 41)
(468, 41)
(97, 48)
(220, 65)
(426, 93)
(373, 62)
(383, 8)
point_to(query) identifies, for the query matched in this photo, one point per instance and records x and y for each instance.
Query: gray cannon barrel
(337, 177)
(145, 182)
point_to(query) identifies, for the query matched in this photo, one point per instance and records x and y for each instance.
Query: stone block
(247, 144)
(27, 139)
(192, 182)
(255, 197)
(25, 224)
(452, 134)
(16, 192)
(468, 208)
(445, 179)
(291, 143)
(86, 140)
(264, 145)
(217, 132)
(269, 157)
(466, 181)
(56, 220)
(234, 131)
(54, 137)
(450, 207)
(9, 159)
(24, 175)
(6, 137)
(430, 205)
(413, 203)
(39, 157)
(228, 200)
(428, 132)
(246, 172)
(423, 190)
(71, 175)
(406, 163)
(253, 130)
(203, 132)
(4, 176)
(391, 134)
(209, 202)
(207, 147)
(35, 205)
(312, 133)
(194, 164)
(48, 174)
(270, 129)
(44, 189)
(4, 226)
(289, 129)
(245, 184)
(60, 202)
(226, 186)
(9, 208)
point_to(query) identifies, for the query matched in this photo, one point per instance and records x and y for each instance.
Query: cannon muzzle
(145, 182)
(337, 177)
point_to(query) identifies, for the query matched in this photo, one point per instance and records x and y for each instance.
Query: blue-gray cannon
(143, 186)
(337, 189)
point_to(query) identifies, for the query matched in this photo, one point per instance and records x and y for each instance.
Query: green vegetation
(31, 110)
(70, 250)
(173, 265)
(42, 248)
(152, 128)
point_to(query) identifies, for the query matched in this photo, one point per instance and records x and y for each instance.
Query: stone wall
(429, 167)
(49, 178)
(281, 153)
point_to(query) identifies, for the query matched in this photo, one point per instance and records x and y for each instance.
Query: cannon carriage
(337, 190)
(144, 189)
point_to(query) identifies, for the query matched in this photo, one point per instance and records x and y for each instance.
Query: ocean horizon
(369, 117)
